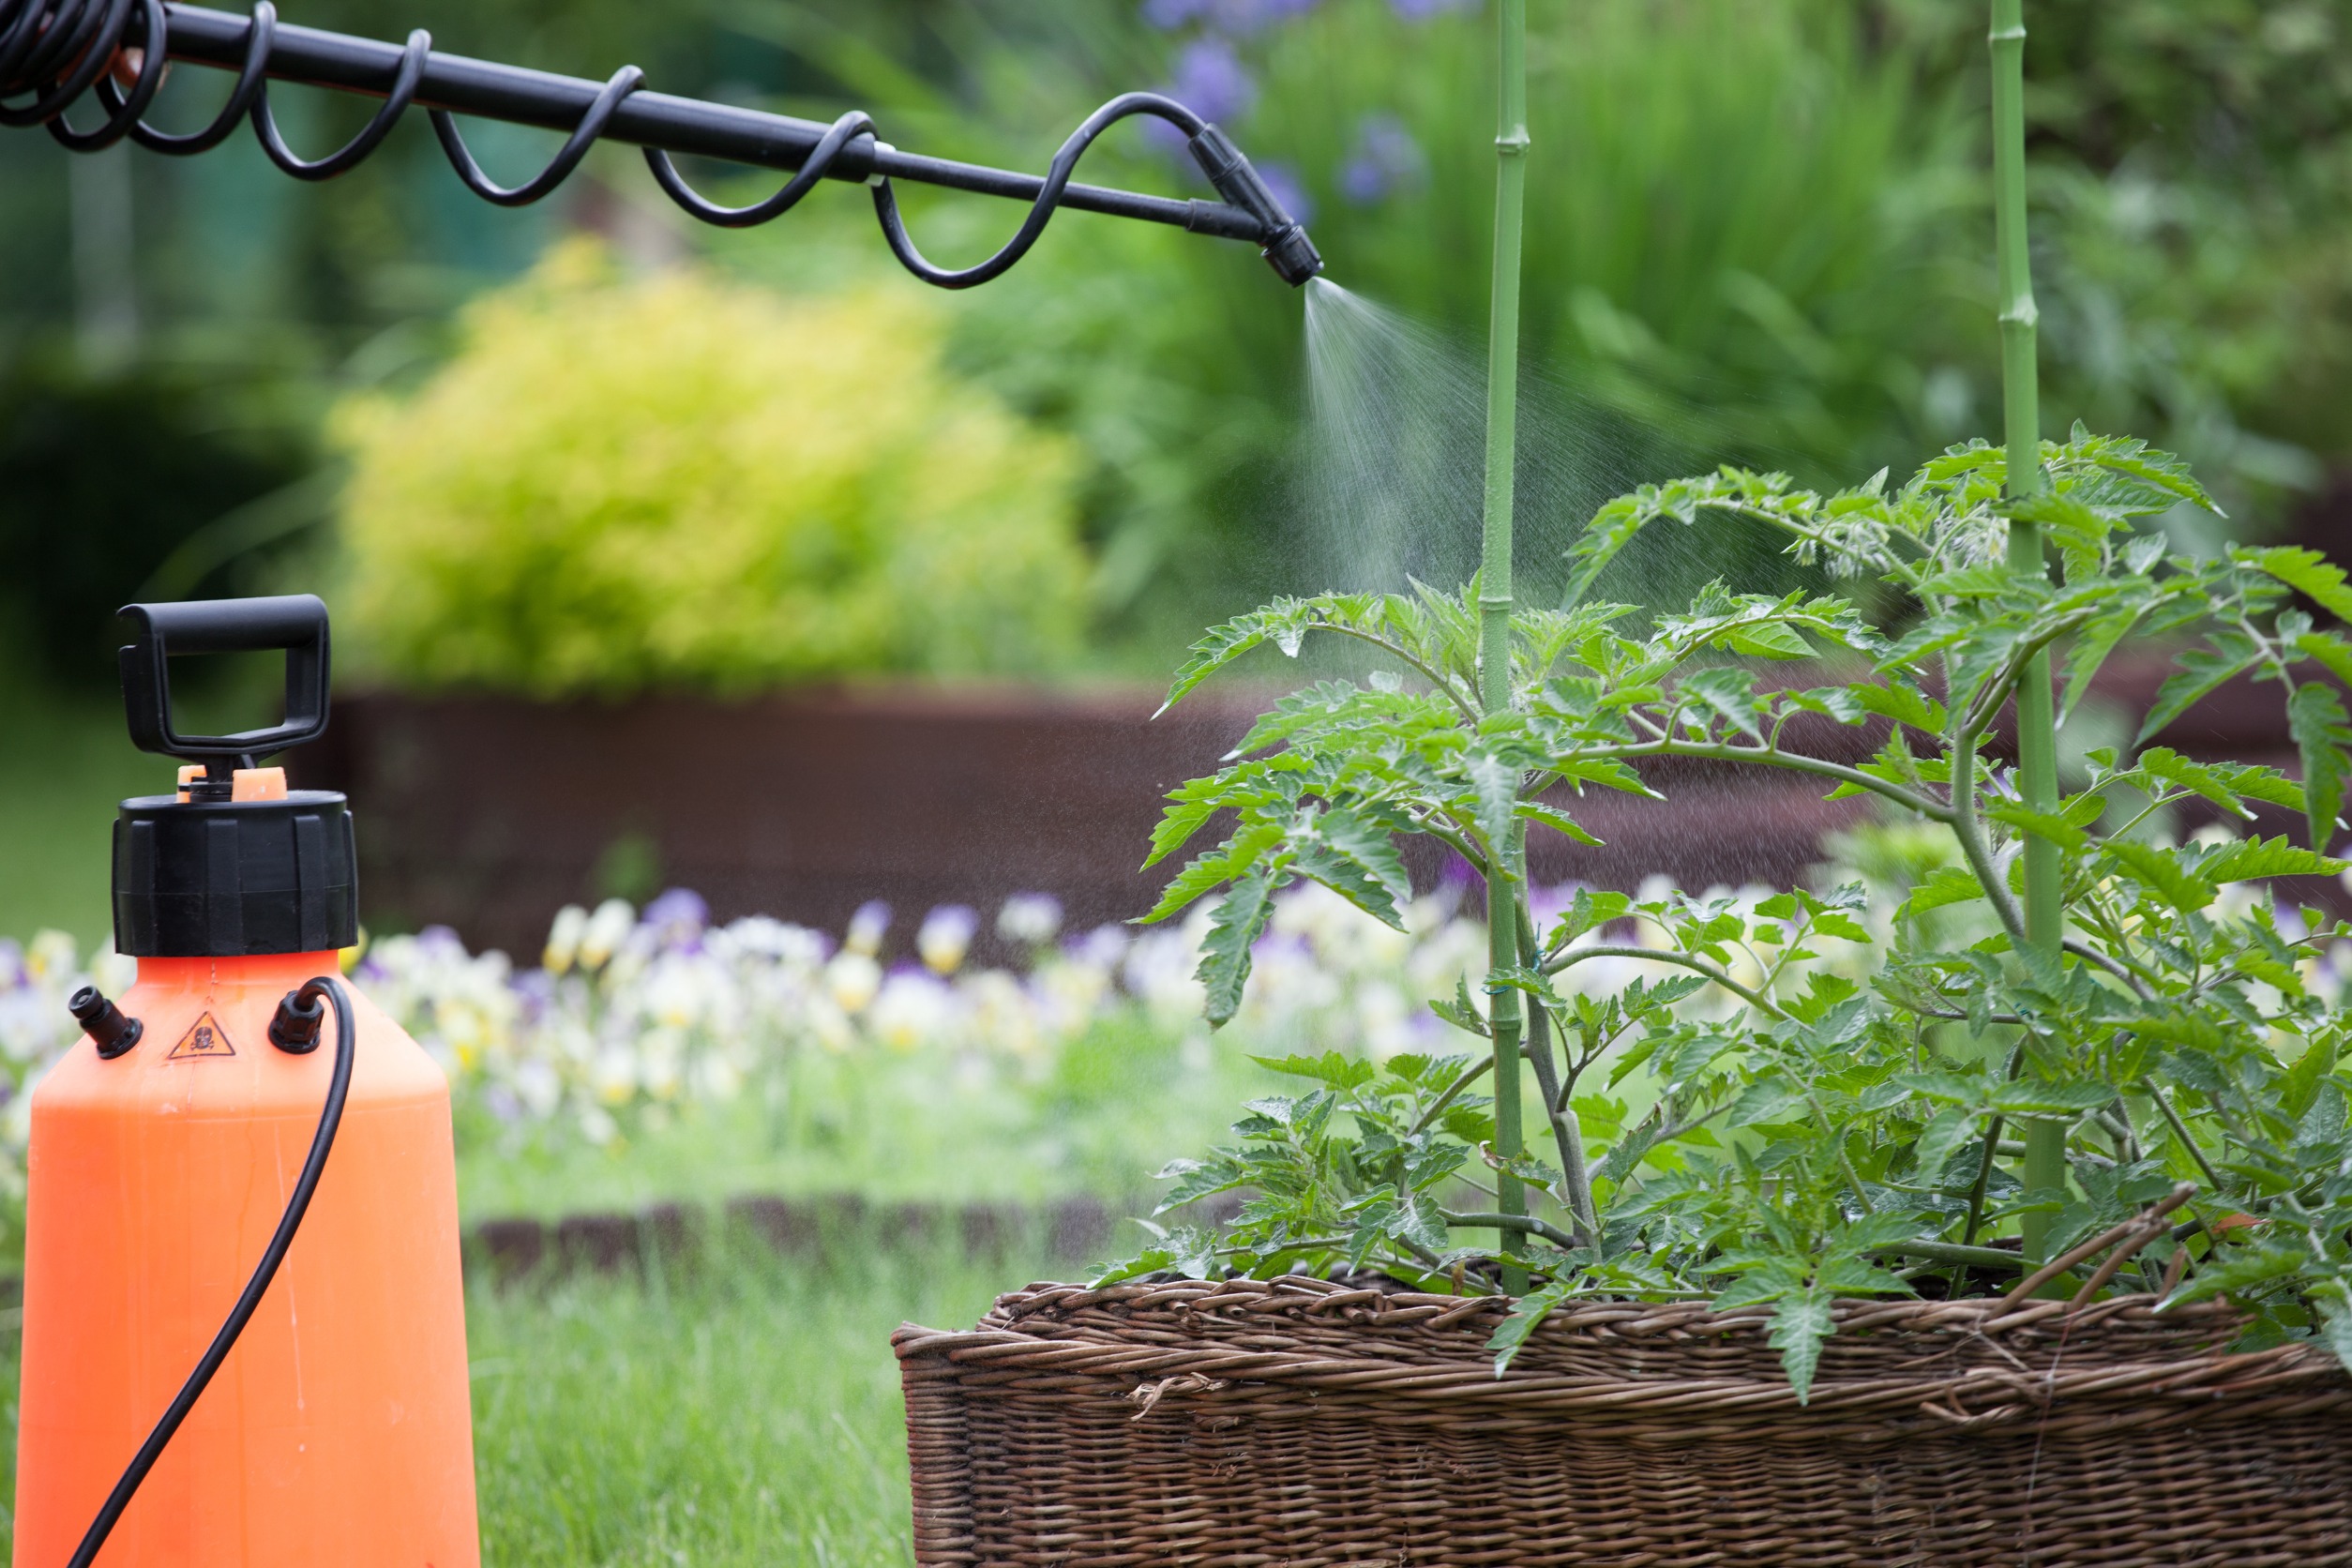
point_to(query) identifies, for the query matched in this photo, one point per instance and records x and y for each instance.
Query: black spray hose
(53, 52)
(295, 1031)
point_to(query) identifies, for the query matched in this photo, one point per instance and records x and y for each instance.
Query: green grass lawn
(734, 1409)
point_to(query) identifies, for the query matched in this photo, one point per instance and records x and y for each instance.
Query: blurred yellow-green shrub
(678, 481)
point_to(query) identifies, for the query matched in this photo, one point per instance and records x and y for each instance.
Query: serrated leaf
(2200, 670)
(2042, 824)
(1219, 647)
(2090, 651)
(2161, 871)
(2332, 652)
(1945, 1132)
(1206, 872)
(1225, 953)
(1946, 884)
(1357, 860)
(2251, 858)
(2212, 783)
(1727, 693)
(1462, 1013)
(2241, 1268)
(1591, 909)
(1558, 822)
(1495, 790)
(2307, 572)
(1526, 1314)
(1800, 1323)
(2034, 1097)
(2316, 718)
(1763, 1102)
(1766, 640)
(1340, 1072)
(1902, 703)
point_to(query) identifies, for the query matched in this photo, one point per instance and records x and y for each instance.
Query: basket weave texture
(1292, 1422)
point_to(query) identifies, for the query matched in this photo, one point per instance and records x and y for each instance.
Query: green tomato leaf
(1558, 822)
(1526, 1314)
(2316, 718)
(2200, 670)
(2164, 873)
(1799, 1324)
(2307, 572)
(1945, 1132)
(1225, 954)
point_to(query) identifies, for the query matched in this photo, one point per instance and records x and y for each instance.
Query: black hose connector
(111, 1031)
(294, 1028)
(1288, 249)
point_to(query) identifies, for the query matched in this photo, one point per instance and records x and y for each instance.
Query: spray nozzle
(1288, 249)
(108, 1027)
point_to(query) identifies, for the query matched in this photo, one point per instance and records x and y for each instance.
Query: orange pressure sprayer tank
(166, 1147)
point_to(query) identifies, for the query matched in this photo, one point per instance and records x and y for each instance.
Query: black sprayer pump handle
(295, 622)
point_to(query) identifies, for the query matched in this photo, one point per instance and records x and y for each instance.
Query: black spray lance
(54, 53)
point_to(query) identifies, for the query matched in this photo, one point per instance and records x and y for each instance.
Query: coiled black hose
(303, 1006)
(53, 52)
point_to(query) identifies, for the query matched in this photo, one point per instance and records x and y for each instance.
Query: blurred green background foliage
(678, 481)
(1758, 232)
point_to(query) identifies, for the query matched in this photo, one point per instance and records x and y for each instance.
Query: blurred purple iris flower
(1385, 159)
(1212, 82)
(1289, 189)
(1209, 81)
(1236, 18)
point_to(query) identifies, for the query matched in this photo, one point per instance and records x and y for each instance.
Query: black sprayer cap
(214, 877)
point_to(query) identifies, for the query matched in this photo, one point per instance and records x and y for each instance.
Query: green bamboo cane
(2037, 727)
(1493, 631)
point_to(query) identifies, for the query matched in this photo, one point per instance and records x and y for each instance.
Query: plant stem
(1494, 597)
(1683, 960)
(2037, 728)
(1515, 1224)
(1566, 1134)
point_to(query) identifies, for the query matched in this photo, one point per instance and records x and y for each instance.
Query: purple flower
(945, 937)
(1105, 945)
(679, 913)
(1209, 81)
(1235, 18)
(1289, 189)
(1385, 159)
(441, 943)
(867, 927)
(1173, 13)
(1422, 10)
(1241, 19)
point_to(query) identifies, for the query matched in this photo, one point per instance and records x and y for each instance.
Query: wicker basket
(1296, 1423)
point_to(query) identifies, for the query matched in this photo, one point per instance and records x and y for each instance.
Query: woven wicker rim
(2109, 1364)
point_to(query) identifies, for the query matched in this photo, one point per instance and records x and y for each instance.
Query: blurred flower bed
(653, 1054)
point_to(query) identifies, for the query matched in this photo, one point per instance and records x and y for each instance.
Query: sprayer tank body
(339, 1429)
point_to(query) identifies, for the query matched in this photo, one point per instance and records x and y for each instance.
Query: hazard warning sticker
(205, 1041)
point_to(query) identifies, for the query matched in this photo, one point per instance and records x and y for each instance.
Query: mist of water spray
(1391, 472)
